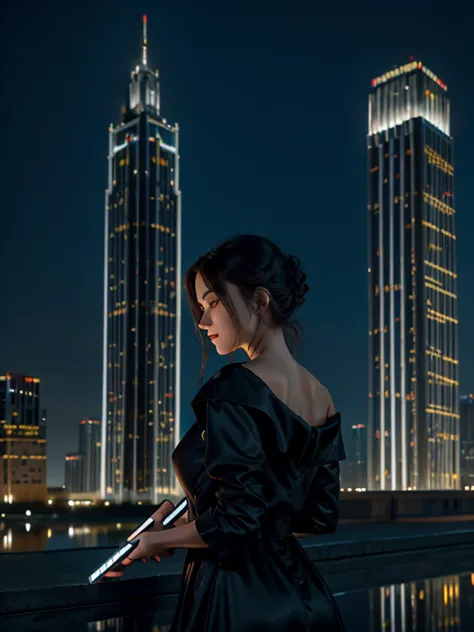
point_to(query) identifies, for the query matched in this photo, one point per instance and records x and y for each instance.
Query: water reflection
(429, 605)
(440, 603)
(143, 623)
(18, 536)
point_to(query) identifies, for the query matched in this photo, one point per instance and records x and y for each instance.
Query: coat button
(203, 435)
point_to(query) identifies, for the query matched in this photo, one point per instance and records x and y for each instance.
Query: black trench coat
(254, 472)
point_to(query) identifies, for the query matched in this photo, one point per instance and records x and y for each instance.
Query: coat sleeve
(234, 458)
(320, 512)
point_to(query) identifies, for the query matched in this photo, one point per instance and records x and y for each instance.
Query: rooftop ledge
(48, 581)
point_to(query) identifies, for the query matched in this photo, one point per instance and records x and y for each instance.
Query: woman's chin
(221, 350)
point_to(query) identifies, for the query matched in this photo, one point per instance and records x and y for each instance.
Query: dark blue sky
(271, 98)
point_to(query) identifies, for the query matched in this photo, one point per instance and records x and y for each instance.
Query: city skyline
(219, 90)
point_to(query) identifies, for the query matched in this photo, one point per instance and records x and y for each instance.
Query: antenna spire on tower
(144, 60)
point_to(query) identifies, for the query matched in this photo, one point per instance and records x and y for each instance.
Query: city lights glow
(405, 69)
(168, 147)
(390, 105)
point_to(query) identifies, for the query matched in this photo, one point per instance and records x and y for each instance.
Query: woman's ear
(261, 300)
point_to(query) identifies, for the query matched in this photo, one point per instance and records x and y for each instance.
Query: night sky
(271, 99)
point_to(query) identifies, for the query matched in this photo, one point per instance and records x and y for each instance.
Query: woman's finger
(113, 574)
(127, 561)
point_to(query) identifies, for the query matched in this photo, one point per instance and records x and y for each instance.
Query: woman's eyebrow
(206, 293)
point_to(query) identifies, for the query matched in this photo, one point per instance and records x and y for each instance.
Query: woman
(261, 464)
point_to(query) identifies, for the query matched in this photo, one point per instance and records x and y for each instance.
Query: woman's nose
(204, 323)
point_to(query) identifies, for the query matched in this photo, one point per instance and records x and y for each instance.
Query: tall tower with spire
(142, 298)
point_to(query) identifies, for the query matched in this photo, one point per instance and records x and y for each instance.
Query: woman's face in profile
(216, 320)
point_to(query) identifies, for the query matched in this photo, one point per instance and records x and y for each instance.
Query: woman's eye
(212, 304)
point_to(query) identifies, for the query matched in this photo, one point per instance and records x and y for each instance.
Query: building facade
(142, 298)
(359, 442)
(22, 440)
(74, 468)
(90, 446)
(467, 441)
(413, 431)
(354, 468)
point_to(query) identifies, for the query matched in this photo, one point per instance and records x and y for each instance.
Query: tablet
(113, 561)
(170, 519)
(116, 559)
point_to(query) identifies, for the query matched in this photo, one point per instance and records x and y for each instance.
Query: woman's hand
(150, 547)
(159, 515)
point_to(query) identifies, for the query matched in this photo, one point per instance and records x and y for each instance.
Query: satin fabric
(254, 472)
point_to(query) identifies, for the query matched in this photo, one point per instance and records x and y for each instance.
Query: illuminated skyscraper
(74, 466)
(467, 441)
(413, 341)
(90, 447)
(354, 468)
(22, 440)
(142, 298)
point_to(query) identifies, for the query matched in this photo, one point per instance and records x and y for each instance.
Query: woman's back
(297, 388)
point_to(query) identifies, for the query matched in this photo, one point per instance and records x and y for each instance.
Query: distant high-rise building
(413, 318)
(142, 298)
(90, 447)
(74, 472)
(22, 440)
(359, 440)
(467, 440)
(354, 468)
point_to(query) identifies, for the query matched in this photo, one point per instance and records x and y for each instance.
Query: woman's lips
(213, 336)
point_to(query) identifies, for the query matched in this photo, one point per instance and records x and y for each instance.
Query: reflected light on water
(430, 604)
(416, 606)
(17, 536)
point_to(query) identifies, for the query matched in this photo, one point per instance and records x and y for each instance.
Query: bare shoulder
(323, 403)
(299, 389)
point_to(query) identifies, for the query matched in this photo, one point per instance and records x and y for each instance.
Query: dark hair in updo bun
(251, 261)
(298, 280)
